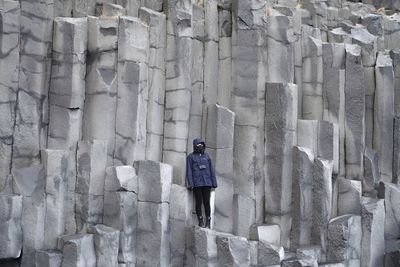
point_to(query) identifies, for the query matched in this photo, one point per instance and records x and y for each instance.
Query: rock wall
(298, 102)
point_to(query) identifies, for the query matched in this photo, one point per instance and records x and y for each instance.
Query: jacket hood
(197, 141)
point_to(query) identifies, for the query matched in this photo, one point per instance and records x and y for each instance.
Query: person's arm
(213, 178)
(189, 171)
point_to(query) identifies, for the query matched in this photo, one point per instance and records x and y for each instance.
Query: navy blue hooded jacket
(199, 170)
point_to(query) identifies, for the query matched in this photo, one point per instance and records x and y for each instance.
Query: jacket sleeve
(189, 176)
(213, 178)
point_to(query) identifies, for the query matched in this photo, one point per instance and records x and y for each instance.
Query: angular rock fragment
(11, 230)
(78, 250)
(396, 150)
(349, 197)
(371, 171)
(244, 212)
(233, 251)
(304, 261)
(201, 247)
(269, 254)
(48, 258)
(106, 244)
(391, 194)
(121, 178)
(269, 233)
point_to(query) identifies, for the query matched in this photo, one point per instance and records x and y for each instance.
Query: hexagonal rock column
(156, 5)
(106, 244)
(130, 128)
(56, 187)
(201, 247)
(243, 214)
(301, 212)
(391, 194)
(354, 113)
(396, 150)
(233, 251)
(131, 6)
(280, 137)
(9, 64)
(322, 201)
(120, 209)
(384, 115)
(225, 53)
(371, 171)
(48, 258)
(153, 234)
(373, 239)
(269, 254)
(344, 238)
(78, 250)
(270, 233)
(155, 105)
(349, 197)
(66, 97)
(101, 83)
(178, 85)
(395, 55)
(30, 133)
(89, 191)
(83, 8)
(10, 219)
(304, 261)
(219, 140)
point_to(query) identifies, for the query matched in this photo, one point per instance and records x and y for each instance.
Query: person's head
(198, 145)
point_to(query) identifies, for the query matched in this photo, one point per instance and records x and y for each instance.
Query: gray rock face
(233, 251)
(121, 178)
(269, 233)
(11, 230)
(269, 254)
(306, 261)
(106, 244)
(391, 194)
(371, 170)
(78, 250)
(344, 238)
(280, 130)
(395, 55)
(349, 197)
(396, 150)
(201, 247)
(243, 216)
(48, 258)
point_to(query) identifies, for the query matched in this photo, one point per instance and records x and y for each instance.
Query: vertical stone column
(391, 33)
(30, 132)
(233, 251)
(55, 164)
(153, 236)
(10, 219)
(225, 54)
(48, 258)
(384, 115)
(280, 137)
(219, 140)
(322, 202)
(106, 243)
(333, 56)
(156, 82)
(9, 65)
(302, 204)
(101, 83)
(178, 86)
(63, 8)
(349, 197)
(391, 194)
(396, 150)
(66, 97)
(395, 55)
(354, 113)
(371, 172)
(83, 8)
(132, 6)
(201, 247)
(132, 97)
(77, 250)
(373, 238)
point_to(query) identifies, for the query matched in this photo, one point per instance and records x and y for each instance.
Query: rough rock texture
(11, 233)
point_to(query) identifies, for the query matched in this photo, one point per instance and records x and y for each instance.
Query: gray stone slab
(233, 251)
(180, 203)
(78, 250)
(301, 212)
(349, 196)
(106, 244)
(110, 10)
(310, 251)
(121, 178)
(131, 6)
(344, 238)
(243, 215)
(371, 171)
(354, 113)
(48, 258)
(396, 150)
(391, 194)
(269, 254)
(384, 114)
(201, 247)
(11, 230)
(29, 181)
(304, 261)
(395, 55)
(280, 134)
(269, 233)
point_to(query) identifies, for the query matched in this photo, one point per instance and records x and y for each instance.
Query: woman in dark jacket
(200, 178)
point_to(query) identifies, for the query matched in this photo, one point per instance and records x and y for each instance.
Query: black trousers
(202, 196)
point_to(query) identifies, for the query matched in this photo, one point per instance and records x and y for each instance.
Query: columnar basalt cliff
(298, 102)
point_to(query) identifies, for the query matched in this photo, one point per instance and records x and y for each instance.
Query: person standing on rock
(201, 179)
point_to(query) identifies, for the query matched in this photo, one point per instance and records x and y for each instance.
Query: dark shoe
(201, 221)
(208, 222)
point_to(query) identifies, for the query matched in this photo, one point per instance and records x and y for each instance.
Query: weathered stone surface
(106, 244)
(301, 212)
(154, 181)
(153, 234)
(344, 238)
(233, 251)
(78, 250)
(269, 254)
(391, 194)
(304, 261)
(338, 35)
(384, 114)
(48, 258)
(395, 55)
(391, 28)
(120, 212)
(131, 6)
(110, 10)
(349, 197)
(11, 230)
(225, 57)
(243, 214)
(269, 233)
(156, 5)
(253, 253)
(121, 178)
(396, 150)
(371, 171)
(310, 251)
(201, 247)
(82, 8)
(354, 113)
(280, 131)
(322, 201)
(373, 240)
(392, 259)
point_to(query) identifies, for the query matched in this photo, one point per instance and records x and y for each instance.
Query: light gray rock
(11, 230)
(344, 238)
(269, 233)
(201, 247)
(106, 244)
(396, 150)
(225, 57)
(48, 258)
(110, 10)
(368, 45)
(384, 115)
(391, 194)
(373, 23)
(233, 251)
(63, 8)
(310, 251)
(156, 5)
(269, 254)
(391, 27)
(354, 113)
(153, 234)
(10, 13)
(121, 178)
(82, 8)
(349, 197)
(322, 201)
(373, 240)
(244, 212)
(338, 35)
(155, 106)
(395, 55)
(371, 171)
(253, 253)
(280, 136)
(131, 6)
(30, 181)
(304, 261)
(78, 250)
(154, 181)
(301, 212)
(120, 212)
